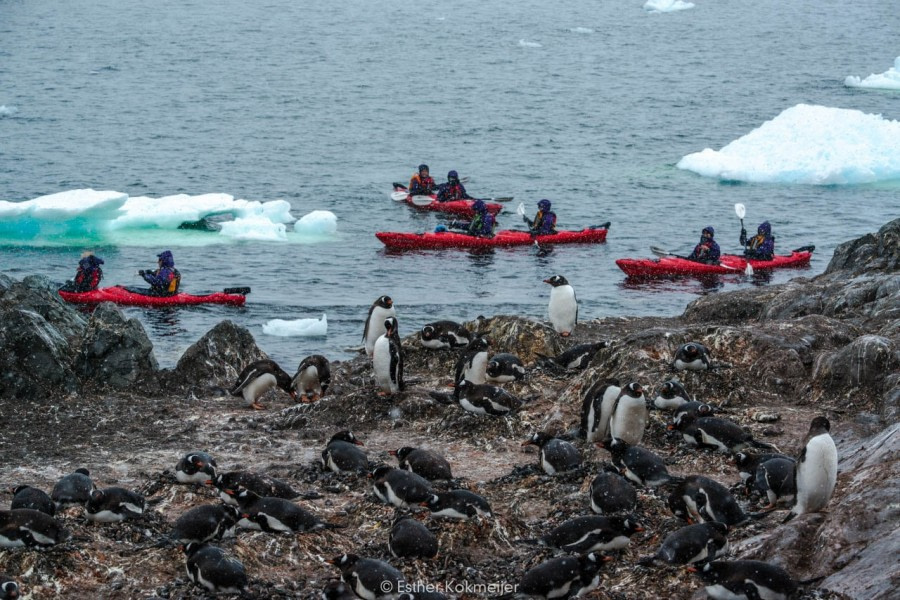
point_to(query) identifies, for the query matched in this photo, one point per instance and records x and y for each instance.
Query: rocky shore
(84, 390)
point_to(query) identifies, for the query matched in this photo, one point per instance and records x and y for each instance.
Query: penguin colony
(614, 417)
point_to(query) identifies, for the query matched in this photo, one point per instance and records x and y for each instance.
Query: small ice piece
(889, 80)
(318, 222)
(665, 6)
(527, 44)
(297, 327)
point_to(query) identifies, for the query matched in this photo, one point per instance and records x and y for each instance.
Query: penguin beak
(245, 516)
(691, 570)
(392, 452)
(230, 493)
(638, 529)
(600, 445)
(209, 482)
(546, 281)
(527, 443)
(359, 443)
(670, 427)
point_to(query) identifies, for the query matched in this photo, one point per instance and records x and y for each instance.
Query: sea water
(286, 122)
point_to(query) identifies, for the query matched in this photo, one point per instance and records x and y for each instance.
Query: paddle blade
(809, 248)
(398, 196)
(748, 270)
(740, 210)
(501, 199)
(520, 209)
(421, 200)
(400, 185)
(237, 290)
(659, 251)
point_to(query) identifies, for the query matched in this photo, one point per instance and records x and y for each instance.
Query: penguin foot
(566, 333)
(257, 406)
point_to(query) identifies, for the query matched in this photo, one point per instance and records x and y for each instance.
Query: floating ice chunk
(526, 44)
(318, 222)
(581, 30)
(66, 205)
(6, 111)
(806, 144)
(256, 228)
(298, 327)
(664, 6)
(889, 80)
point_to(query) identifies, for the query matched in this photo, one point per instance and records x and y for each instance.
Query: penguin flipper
(442, 398)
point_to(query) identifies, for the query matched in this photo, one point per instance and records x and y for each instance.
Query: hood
(710, 230)
(764, 228)
(90, 261)
(167, 259)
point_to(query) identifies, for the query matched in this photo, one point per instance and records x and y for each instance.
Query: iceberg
(318, 222)
(889, 80)
(664, 6)
(812, 145)
(297, 327)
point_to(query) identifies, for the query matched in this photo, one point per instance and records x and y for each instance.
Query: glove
(141, 272)
(743, 239)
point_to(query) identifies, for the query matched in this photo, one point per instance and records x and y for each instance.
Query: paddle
(809, 248)
(741, 210)
(237, 290)
(660, 252)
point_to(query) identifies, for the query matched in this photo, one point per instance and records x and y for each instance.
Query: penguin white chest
(817, 474)
(563, 308)
(308, 381)
(476, 371)
(258, 387)
(375, 326)
(381, 363)
(630, 420)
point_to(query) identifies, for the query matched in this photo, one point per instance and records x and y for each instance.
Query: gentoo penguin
(701, 542)
(747, 462)
(566, 577)
(597, 408)
(426, 463)
(72, 489)
(190, 469)
(484, 399)
(409, 538)
(32, 528)
(556, 455)
(337, 590)
(503, 368)
(563, 306)
(692, 356)
(611, 493)
(400, 488)
(369, 578)
(714, 432)
(258, 378)
(573, 359)
(204, 523)
(699, 499)
(671, 395)
(9, 589)
(113, 504)
(209, 567)
(592, 533)
(775, 479)
(276, 515)
(387, 359)
(629, 415)
(343, 454)
(380, 310)
(262, 485)
(816, 470)
(638, 464)
(472, 364)
(745, 580)
(444, 334)
(692, 408)
(25, 496)
(422, 591)
(312, 377)
(458, 504)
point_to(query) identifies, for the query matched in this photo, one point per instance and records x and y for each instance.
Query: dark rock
(873, 252)
(38, 294)
(864, 362)
(219, 356)
(741, 305)
(35, 357)
(114, 351)
(523, 337)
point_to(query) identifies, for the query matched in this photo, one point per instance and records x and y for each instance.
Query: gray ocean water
(590, 104)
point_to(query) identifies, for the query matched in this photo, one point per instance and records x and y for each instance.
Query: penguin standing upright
(312, 377)
(692, 356)
(815, 474)
(563, 306)
(472, 364)
(629, 415)
(259, 377)
(380, 310)
(597, 408)
(387, 359)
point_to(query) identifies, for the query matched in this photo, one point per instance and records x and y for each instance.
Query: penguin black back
(209, 567)
(25, 496)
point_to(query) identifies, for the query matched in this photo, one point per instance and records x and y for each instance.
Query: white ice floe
(665, 6)
(527, 44)
(297, 327)
(889, 80)
(805, 144)
(6, 111)
(581, 30)
(318, 222)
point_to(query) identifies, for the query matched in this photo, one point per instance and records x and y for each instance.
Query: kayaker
(707, 251)
(88, 275)
(421, 183)
(481, 225)
(762, 245)
(544, 222)
(165, 280)
(453, 189)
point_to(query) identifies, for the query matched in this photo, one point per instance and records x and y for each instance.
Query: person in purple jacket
(762, 245)
(165, 280)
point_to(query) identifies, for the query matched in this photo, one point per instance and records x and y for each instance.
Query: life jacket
(174, 283)
(482, 225)
(544, 223)
(417, 184)
(88, 278)
(452, 192)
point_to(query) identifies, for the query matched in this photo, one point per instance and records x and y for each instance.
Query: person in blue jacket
(544, 222)
(707, 251)
(165, 280)
(481, 225)
(762, 245)
(453, 189)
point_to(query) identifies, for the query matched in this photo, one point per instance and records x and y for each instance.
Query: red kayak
(503, 238)
(462, 208)
(670, 266)
(125, 297)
